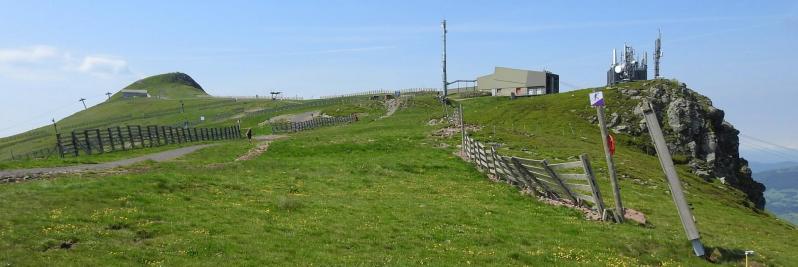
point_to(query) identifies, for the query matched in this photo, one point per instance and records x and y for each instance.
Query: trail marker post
(597, 101)
(673, 179)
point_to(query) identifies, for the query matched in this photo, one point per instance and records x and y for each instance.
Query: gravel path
(160, 156)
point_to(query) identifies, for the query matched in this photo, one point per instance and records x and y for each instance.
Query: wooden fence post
(141, 138)
(616, 190)
(148, 135)
(87, 141)
(183, 131)
(130, 137)
(173, 135)
(99, 140)
(591, 180)
(166, 139)
(60, 145)
(111, 139)
(121, 140)
(462, 125)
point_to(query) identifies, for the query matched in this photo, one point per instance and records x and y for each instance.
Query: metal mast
(445, 84)
(657, 54)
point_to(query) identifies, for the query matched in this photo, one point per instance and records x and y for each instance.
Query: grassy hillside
(174, 85)
(378, 192)
(145, 111)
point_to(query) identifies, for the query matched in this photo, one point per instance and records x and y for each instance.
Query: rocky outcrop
(695, 130)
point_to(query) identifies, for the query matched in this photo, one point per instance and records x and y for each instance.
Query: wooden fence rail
(289, 127)
(97, 141)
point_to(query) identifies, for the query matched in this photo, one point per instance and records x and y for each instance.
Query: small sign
(202, 118)
(597, 99)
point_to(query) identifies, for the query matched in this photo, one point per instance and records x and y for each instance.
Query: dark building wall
(552, 83)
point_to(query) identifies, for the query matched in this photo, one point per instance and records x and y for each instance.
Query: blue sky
(739, 53)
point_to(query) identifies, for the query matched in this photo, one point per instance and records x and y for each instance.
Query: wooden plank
(530, 161)
(512, 175)
(573, 176)
(566, 165)
(553, 175)
(534, 179)
(537, 168)
(591, 180)
(540, 174)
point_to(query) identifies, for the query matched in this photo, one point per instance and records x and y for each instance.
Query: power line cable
(770, 143)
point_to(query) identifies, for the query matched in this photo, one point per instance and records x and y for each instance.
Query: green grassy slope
(174, 85)
(378, 192)
(144, 111)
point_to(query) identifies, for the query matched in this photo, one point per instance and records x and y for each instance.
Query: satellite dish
(618, 68)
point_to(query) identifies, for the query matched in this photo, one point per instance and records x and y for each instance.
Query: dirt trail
(260, 148)
(391, 105)
(10, 175)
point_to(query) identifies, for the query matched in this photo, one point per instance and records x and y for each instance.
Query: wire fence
(290, 127)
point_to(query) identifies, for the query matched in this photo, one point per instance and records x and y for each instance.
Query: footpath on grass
(26, 174)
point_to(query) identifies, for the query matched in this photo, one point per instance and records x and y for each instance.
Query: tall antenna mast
(657, 54)
(445, 85)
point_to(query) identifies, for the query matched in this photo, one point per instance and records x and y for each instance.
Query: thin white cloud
(103, 65)
(31, 54)
(43, 62)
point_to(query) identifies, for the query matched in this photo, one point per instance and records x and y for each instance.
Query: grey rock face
(693, 128)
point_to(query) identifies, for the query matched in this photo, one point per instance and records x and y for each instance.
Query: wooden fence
(571, 181)
(290, 127)
(96, 141)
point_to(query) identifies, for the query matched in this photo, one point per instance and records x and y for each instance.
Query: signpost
(597, 101)
(673, 179)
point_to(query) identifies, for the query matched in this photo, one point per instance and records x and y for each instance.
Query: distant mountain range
(781, 180)
(758, 167)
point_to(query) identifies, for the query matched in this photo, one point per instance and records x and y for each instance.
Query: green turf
(174, 85)
(55, 161)
(377, 192)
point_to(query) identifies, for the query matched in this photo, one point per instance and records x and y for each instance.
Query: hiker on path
(249, 135)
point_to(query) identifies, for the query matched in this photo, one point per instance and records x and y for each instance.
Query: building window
(536, 91)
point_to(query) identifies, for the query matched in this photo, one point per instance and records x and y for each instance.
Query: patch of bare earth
(391, 106)
(261, 147)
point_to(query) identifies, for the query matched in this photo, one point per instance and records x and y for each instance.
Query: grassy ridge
(167, 86)
(377, 192)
